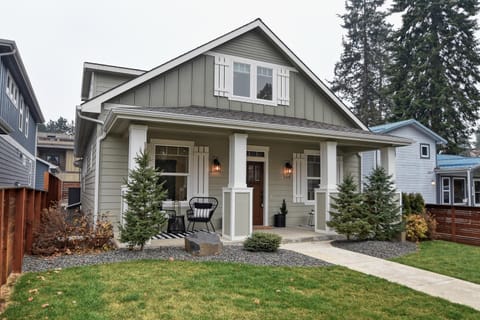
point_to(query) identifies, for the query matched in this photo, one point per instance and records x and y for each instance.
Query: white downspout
(97, 163)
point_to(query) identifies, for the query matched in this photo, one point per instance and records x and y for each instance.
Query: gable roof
(94, 105)
(388, 127)
(9, 52)
(449, 161)
(91, 67)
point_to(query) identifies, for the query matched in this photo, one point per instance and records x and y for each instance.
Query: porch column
(387, 161)
(137, 139)
(328, 184)
(237, 209)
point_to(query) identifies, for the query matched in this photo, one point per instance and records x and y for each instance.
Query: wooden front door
(255, 181)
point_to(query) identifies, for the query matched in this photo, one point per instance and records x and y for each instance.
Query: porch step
(321, 237)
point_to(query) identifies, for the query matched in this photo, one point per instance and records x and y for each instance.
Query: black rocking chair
(201, 210)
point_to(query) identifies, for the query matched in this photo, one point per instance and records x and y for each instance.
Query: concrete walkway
(434, 284)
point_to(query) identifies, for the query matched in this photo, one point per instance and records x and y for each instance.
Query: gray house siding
(192, 84)
(39, 175)
(113, 172)
(413, 174)
(13, 169)
(10, 113)
(105, 81)
(87, 195)
(254, 45)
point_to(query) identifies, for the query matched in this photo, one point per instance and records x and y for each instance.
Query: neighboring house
(57, 149)
(19, 116)
(43, 170)
(415, 164)
(458, 180)
(239, 118)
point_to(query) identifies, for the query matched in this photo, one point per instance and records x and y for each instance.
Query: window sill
(251, 100)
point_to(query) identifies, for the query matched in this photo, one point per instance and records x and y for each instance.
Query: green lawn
(449, 258)
(187, 290)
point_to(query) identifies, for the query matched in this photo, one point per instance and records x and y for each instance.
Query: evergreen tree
(59, 126)
(349, 216)
(383, 209)
(360, 74)
(144, 198)
(435, 67)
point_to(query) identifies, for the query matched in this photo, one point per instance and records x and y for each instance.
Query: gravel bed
(230, 253)
(379, 249)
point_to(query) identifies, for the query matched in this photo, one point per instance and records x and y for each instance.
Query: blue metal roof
(387, 127)
(449, 161)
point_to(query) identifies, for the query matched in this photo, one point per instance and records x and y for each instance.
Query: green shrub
(261, 241)
(412, 203)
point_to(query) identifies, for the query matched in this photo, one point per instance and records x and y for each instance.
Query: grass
(449, 258)
(186, 290)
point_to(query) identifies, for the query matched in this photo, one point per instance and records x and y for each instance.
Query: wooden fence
(457, 223)
(19, 217)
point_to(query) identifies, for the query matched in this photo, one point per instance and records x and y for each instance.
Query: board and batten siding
(113, 173)
(413, 174)
(192, 84)
(9, 113)
(105, 81)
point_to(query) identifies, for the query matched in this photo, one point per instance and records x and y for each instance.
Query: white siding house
(415, 164)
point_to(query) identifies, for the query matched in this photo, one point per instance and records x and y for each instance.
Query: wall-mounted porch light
(287, 169)
(216, 166)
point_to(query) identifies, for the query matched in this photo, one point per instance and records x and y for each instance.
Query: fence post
(454, 227)
(18, 245)
(30, 215)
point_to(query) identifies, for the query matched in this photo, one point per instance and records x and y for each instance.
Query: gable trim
(94, 105)
(406, 123)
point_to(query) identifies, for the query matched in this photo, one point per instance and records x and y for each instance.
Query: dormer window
(251, 81)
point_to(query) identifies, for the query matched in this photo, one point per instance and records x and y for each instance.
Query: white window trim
(306, 177)
(253, 78)
(21, 112)
(449, 191)
(428, 151)
(27, 120)
(175, 143)
(453, 191)
(11, 93)
(265, 161)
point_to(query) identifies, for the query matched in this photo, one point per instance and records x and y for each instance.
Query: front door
(255, 181)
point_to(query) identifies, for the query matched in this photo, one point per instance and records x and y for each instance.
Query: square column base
(237, 213)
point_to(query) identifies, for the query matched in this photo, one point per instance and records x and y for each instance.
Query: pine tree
(360, 74)
(435, 67)
(349, 216)
(144, 198)
(383, 209)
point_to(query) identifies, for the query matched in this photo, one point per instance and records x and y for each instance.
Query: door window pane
(241, 79)
(176, 187)
(446, 190)
(458, 190)
(476, 185)
(264, 83)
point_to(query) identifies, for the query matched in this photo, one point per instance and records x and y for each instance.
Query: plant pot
(279, 220)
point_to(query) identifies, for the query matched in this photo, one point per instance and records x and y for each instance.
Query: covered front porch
(249, 169)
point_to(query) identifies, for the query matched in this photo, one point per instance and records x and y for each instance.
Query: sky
(56, 37)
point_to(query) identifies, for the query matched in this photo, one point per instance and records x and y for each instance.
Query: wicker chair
(201, 210)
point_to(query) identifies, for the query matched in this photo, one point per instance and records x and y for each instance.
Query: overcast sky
(55, 37)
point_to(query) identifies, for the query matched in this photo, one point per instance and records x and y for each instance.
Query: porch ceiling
(260, 126)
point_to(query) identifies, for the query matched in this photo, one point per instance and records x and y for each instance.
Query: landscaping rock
(203, 244)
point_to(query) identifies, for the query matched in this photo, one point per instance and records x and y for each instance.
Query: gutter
(97, 161)
(8, 53)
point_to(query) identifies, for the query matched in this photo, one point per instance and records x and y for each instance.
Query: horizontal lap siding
(12, 169)
(87, 195)
(113, 172)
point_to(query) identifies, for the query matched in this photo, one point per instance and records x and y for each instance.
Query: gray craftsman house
(240, 118)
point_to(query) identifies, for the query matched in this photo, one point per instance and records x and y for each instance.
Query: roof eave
(168, 117)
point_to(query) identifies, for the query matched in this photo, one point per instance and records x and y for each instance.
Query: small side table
(176, 224)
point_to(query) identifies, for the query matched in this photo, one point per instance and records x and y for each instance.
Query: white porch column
(328, 184)
(387, 161)
(237, 209)
(137, 139)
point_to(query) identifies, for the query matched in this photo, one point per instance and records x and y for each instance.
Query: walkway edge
(434, 284)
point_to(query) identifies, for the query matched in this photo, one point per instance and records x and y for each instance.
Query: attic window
(251, 81)
(424, 151)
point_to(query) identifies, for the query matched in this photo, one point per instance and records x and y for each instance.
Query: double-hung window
(251, 81)
(173, 163)
(12, 90)
(445, 190)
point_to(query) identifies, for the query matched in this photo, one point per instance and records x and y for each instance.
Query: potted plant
(279, 218)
